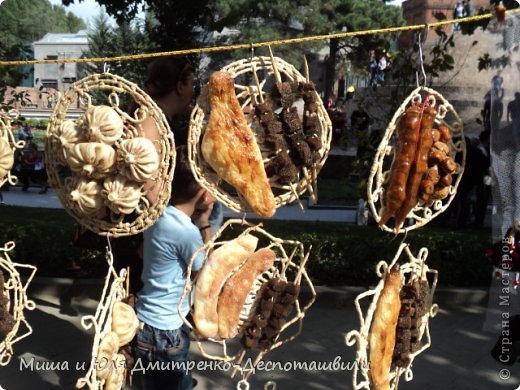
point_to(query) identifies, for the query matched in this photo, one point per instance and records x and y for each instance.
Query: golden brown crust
(230, 147)
(220, 264)
(383, 331)
(236, 289)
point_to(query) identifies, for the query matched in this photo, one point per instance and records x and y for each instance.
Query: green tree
(106, 40)
(262, 20)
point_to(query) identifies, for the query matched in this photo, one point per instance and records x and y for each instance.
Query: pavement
(459, 357)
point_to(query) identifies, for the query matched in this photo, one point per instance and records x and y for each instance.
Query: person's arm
(508, 113)
(201, 219)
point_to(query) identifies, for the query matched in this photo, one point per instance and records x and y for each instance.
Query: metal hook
(421, 59)
(106, 67)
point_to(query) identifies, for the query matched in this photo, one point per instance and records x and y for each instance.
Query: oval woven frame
(423, 212)
(289, 266)
(17, 293)
(114, 86)
(415, 267)
(6, 133)
(114, 290)
(248, 96)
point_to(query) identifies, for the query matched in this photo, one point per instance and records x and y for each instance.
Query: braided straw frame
(114, 85)
(6, 133)
(113, 291)
(416, 267)
(17, 293)
(248, 96)
(423, 212)
(291, 257)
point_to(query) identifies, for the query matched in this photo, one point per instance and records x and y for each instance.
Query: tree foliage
(106, 40)
(262, 20)
(23, 22)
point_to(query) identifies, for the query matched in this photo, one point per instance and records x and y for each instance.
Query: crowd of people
(378, 64)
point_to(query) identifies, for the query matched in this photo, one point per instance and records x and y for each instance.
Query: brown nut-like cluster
(293, 144)
(436, 182)
(415, 304)
(275, 305)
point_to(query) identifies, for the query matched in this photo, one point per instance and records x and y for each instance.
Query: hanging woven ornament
(246, 299)
(395, 328)
(115, 325)
(261, 127)
(418, 164)
(13, 302)
(8, 146)
(103, 143)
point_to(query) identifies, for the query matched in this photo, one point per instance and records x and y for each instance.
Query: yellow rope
(258, 44)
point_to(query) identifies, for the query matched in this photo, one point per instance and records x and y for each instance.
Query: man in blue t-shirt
(169, 245)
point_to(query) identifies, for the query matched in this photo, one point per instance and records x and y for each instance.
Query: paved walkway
(458, 359)
(16, 197)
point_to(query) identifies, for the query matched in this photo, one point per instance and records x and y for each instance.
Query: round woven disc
(248, 95)
(423, 212)
(118, 93)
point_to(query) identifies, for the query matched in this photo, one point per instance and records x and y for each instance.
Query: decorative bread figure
(381, 339)
(236, 288)
(212, 277)
(230, 147)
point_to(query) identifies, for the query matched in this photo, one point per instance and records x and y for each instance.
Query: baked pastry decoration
(428, 161)
(8, 146)
(101, 165)
(115, 326)
(285, 147)
(395, 327)
(234, 297)
(229, 146)
(13, 303)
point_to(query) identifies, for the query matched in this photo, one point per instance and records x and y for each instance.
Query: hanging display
(102, 165)
(418, 164)
(395, 328)
(247, 299)
(260, 127)
(115, 325)
(13, 302)
(8, 146)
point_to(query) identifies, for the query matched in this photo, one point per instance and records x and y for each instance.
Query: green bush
(341, 254)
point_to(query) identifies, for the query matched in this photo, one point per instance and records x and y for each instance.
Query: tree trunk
(330, 70)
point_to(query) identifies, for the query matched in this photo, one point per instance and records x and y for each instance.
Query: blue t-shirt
(168, 247)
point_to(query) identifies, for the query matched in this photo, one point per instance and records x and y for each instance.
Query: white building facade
(57, 46)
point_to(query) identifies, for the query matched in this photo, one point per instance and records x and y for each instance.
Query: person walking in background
(25, 133)
(458, 13)
(513, 117)
(373, 67)
(381, 67)
(28, 159)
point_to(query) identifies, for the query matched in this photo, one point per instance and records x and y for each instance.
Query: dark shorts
(158, 350)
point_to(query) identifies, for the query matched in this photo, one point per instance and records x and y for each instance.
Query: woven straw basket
(423, 212)
(114, 290)
(244, 72)
(115, 89)
(16, 291)
(289, 266)
(8, 146)
(415, 267)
